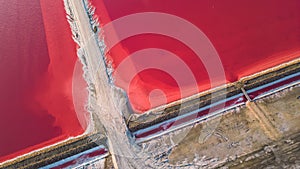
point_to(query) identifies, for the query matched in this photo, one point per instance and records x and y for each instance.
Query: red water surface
(249, 36)
(37, 58)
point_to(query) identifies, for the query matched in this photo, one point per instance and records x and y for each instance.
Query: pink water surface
(249, 36)
(37, 58)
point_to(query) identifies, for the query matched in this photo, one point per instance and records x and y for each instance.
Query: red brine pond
(37, 59)
(249, 36)
(40, 75)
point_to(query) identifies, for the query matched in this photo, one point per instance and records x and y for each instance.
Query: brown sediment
(284, 152)
(108, 163)
(160, 114)
(240, 139)
(265, 124)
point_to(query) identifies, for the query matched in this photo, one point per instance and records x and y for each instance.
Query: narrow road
(108, 102)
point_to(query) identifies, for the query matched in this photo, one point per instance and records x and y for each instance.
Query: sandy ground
(239, 133)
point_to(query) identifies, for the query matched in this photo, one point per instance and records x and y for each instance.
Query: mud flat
(237, 139)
